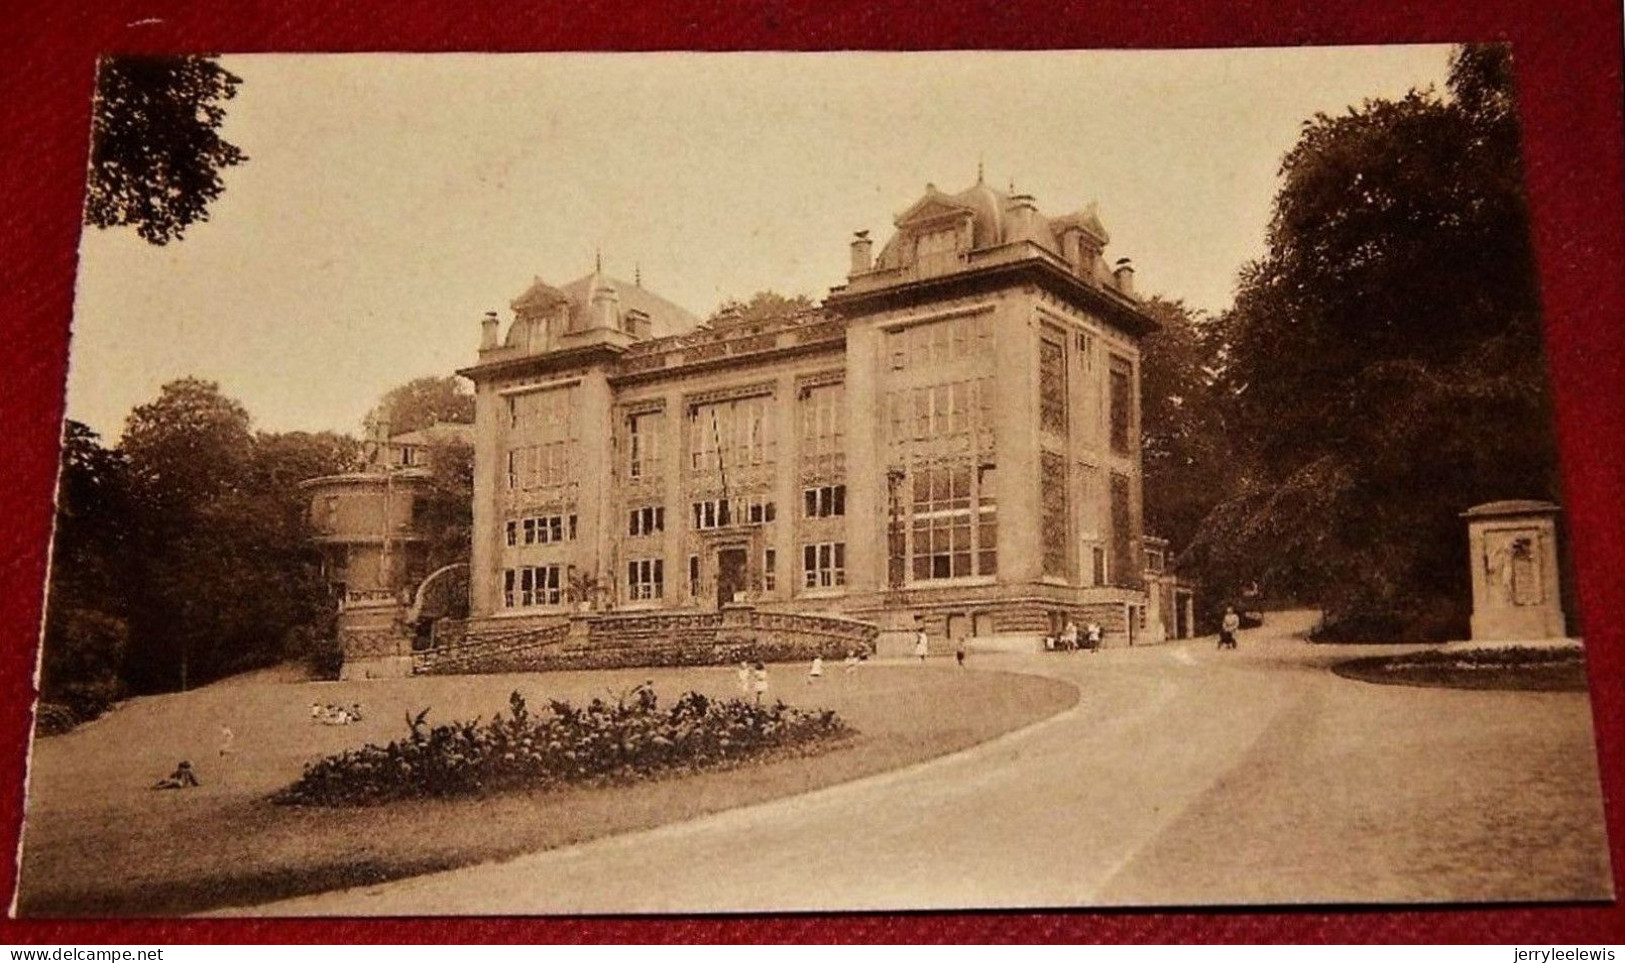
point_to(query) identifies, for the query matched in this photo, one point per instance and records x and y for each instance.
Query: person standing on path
(817, 670)
(1229, 627)
(1069, 636)
(921, 646)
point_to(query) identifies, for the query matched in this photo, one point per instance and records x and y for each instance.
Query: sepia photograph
(693, 483)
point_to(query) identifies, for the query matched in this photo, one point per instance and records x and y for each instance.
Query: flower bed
(1556, 668)
(601, 742)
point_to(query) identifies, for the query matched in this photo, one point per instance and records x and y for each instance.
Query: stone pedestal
(896, 639)
(375, 641)
(1512, 551)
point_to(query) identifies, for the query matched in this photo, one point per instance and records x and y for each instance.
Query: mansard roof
(991, 225)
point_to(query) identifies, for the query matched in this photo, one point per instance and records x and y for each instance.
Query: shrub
(601, 742)
(53, 719)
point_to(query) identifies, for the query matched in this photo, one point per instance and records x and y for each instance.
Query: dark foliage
(183, 555)
(422, 402)
(156, 152)
(1382, 367)
(601, 742)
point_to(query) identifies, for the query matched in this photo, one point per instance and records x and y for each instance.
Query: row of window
(735, 433)
(940, 342)
(823, 566)
(544, 415)
(646, 521)
(722, 512)
(541, 466)
(541, 529)
(730, 434)
(936, 411)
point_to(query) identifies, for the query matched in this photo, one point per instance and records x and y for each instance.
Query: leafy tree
(1189, 463)
(155, 153)
(423, 401)
(190, 445)
(444, 510)
(85, 633)
(763, 306)
(1382, 364)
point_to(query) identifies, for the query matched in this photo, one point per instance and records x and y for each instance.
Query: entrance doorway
(732, 573)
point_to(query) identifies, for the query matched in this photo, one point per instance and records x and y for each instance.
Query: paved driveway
(1184, 776)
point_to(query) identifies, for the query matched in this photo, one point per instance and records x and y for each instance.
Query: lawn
(98, 842)
(1528, 669)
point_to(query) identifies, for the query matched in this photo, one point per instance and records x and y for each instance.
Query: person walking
(1229, 627)
(817, 670)
(759, 681)
(959, 654)
(921, 645)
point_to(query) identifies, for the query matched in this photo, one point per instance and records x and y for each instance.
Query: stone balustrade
(631, 639)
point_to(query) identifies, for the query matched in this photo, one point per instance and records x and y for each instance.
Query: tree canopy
(1382, 366)
(156, 153)
(423, 401)
(762, 306)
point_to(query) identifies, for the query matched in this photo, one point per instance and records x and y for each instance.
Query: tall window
(1122, 405)
(730, 434)
(645, 579)
(954, 522)
(541, 438)
(823, 419)
(643, 444)
(770, 570)
(1052, 386)
(1052, 497)
(823, 565)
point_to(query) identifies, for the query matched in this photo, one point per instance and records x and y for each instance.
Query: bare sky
(392, 199)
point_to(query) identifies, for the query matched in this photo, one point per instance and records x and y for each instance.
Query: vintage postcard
(697, 483)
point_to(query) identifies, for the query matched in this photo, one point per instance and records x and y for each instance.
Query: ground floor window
(645, 579)
(824, 565)
(770, 574)
(694, 576)
(531, 585)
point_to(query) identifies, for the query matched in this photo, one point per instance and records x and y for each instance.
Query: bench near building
(952, 439)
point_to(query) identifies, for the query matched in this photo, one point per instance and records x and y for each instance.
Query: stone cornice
(1113, 308)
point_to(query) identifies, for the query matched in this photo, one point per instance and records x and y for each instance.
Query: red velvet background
(1568, 59)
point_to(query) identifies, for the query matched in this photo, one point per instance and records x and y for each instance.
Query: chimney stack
(862, 253)
(1123, 274)
(488, 331)
(1023, 213)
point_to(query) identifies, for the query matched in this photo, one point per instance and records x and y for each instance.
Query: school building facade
(952, 438)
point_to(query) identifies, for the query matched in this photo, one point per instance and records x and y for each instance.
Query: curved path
(1184, 776)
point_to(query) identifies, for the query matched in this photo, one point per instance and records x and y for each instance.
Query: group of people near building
(1071, 640)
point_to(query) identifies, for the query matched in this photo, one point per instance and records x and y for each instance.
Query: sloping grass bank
(99, 842)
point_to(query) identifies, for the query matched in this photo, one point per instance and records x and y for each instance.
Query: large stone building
(950, 439)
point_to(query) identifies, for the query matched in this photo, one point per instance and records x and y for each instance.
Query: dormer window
(936, 252)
